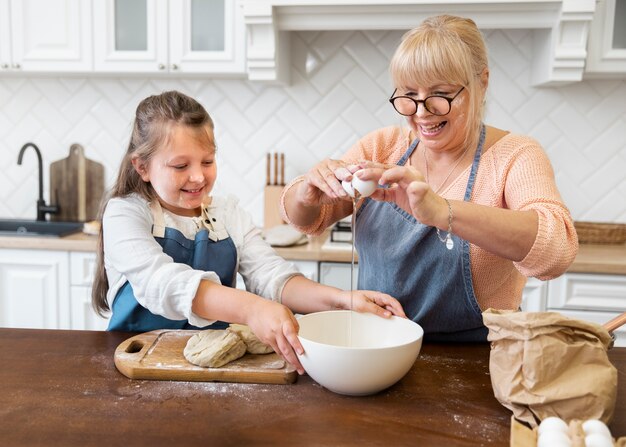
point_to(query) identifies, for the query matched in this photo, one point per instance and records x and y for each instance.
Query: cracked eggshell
(365, 188)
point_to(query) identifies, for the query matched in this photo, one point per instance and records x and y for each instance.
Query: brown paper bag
(545, 364)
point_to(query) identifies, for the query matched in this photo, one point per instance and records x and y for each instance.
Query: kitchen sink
(38, 228)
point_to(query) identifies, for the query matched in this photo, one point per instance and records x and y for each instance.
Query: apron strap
(158, 227)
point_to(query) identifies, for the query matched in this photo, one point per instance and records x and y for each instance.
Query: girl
(169, 252)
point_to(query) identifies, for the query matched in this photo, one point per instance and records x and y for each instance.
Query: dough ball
(214, 348)
(253, 344)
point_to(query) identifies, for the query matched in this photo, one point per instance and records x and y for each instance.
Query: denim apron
(402, 257)
(211, 250)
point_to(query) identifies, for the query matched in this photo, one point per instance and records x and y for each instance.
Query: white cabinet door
(48, 35)
(6, 60)
(34, 287)
(534, 296)
(206, 36)
(130, 36)
(83, 315)
(161, 36)
(607, 40)
(337, 274)
(591, 297)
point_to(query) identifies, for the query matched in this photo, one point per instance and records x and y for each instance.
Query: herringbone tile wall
(338, 93)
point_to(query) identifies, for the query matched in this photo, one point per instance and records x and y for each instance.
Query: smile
(432, 129)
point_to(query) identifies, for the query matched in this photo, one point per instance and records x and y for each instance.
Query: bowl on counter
(356, 353)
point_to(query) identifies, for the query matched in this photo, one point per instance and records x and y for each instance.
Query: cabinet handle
(174, 67)
(161, 66)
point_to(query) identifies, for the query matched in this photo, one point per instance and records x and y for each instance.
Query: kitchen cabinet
(607, 40)
(47, 289)
(534, 296)
(161, 36)
(33, 289)
(592, 297)
(83, 315)
(337, 274)
(45, 36)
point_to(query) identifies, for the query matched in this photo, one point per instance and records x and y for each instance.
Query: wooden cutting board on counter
(76, 187)
(158, 355)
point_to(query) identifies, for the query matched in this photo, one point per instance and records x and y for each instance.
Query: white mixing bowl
(357, 353)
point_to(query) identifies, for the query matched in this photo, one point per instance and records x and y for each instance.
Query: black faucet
(42, 208)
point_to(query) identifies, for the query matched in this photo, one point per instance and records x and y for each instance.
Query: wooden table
(61, 388)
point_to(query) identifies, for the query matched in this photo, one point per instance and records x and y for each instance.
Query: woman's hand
(275, 325)
(406, 187)
(322, 184)
(371, 301)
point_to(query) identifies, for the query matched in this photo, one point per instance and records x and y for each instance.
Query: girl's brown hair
(445, 49)
(154, 118)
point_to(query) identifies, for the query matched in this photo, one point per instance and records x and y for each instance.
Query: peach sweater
(514, 173)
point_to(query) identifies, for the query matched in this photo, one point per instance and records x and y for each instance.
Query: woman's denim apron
(404, 258)
(211, 250)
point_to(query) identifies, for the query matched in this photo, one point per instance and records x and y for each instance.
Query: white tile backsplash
(338, 92)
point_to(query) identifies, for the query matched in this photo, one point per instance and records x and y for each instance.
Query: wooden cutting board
(158, 355)
(76, 186)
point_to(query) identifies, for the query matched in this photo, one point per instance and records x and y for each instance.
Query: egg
(594, 426)
(598, 440)
(365, 188)
(553, 439)
(552, 424)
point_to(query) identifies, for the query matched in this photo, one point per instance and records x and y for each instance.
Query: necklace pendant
(449, 242)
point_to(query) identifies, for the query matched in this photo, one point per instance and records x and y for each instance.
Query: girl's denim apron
(211, 250)
(404, 258)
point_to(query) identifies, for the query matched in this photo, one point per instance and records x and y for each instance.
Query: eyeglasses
(435, 104)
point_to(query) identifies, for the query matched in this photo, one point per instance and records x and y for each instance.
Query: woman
(466, 211)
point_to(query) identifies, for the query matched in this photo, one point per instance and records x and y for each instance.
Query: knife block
(271, 214)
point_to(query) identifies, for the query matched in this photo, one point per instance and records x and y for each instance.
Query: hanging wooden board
(76, 187)
(158, 355)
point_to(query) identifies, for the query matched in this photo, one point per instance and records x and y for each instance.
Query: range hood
(560, 28)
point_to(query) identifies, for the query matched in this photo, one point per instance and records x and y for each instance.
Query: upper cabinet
(607, 40)
(45, 36)
(186, 36)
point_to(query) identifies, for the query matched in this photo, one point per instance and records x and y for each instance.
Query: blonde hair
(445, 49)
(154, 118)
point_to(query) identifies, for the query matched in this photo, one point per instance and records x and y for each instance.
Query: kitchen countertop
(61, 387)
(592, 258)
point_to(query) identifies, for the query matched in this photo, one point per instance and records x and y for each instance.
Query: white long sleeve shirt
(167, 288)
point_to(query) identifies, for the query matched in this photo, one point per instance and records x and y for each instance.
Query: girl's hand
(322, 184)
(371, 301)
(276, 326)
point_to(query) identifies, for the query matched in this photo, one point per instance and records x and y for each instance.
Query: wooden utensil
(158, 355)
(616, 322)
(76, 186)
